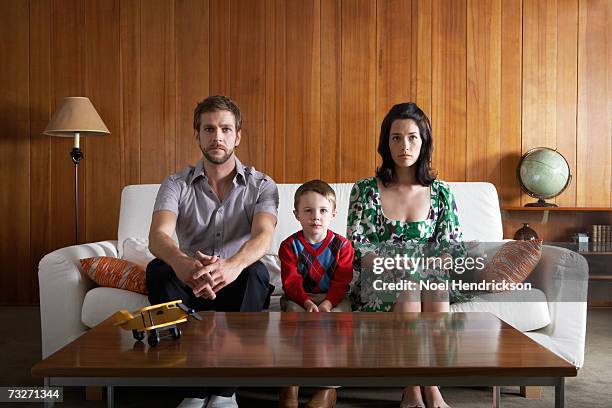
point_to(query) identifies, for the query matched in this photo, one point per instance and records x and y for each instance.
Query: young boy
(316, 270)
(316, 263)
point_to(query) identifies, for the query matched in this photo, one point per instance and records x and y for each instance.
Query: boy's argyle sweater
(323, 268)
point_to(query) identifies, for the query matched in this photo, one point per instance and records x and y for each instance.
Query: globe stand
(541, 203)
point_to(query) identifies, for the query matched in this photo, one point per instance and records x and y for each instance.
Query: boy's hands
(325, 306)
(310, 306)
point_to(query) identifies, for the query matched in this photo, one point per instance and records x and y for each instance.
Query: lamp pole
(76, 155)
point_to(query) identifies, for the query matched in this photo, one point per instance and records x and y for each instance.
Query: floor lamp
(76, 117)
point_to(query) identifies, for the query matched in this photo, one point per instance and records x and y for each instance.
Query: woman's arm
(361, 226)
(448, 231)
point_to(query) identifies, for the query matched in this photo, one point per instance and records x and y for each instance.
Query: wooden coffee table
(310, 349)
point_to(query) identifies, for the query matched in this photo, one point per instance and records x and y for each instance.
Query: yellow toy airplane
(152, 319)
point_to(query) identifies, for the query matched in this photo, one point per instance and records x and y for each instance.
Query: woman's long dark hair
(425, 175)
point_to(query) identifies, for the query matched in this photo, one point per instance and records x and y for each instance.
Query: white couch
(70, 303)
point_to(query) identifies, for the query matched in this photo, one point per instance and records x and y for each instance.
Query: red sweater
(324, 269)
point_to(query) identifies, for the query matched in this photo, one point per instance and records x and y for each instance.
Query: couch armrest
(563, 276)
(62, 289)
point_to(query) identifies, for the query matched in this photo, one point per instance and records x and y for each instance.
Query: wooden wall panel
(15, 155)
(247, 82)
(358, 95)
(130, 91)
(483, 90)
(275, 89)
(314, 80)
(593, 156)
(448, 113)
(394, 56)
(331, 49)
(68, 79)
(539, 126)
(567, 85)
(421, 26)
(103, 157)
(220, 51)
(157, 146)
(511, 78)
(303, 65)
(40, 145)
(192, 53)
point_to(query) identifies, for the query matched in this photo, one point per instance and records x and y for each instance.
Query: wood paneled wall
(314, 79)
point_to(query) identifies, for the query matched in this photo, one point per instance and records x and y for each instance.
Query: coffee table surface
(277, 345)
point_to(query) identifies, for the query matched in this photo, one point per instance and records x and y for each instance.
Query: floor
(20, 342)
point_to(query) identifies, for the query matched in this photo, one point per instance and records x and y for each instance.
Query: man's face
(217, 136)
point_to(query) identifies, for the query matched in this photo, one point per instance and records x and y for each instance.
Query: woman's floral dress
(373, 233)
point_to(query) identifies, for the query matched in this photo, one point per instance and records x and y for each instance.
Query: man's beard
(217, 160)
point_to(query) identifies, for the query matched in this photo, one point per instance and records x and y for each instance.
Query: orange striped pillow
(115, 273)
(514, 262)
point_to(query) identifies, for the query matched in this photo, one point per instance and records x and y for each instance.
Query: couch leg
(93, 393)
(531, 392)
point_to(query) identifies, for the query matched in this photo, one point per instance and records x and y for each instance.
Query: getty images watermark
(425, 267)
(385, 271)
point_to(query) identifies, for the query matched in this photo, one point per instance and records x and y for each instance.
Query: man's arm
(225, 271)
(165, 248)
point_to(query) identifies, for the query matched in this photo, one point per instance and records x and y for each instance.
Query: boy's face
(315, 213)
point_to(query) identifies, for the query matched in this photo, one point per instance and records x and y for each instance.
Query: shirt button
(221, 209)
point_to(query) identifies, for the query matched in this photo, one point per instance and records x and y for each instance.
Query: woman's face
(405, 142)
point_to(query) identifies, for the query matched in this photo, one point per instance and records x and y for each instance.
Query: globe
(543, 173)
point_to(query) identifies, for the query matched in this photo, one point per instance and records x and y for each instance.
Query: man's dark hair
(217, 103)
(424, 172)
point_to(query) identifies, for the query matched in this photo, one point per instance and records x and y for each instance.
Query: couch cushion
(477, 203)
(136, 250)
(135, 214)
(525, 310)
(100, 303)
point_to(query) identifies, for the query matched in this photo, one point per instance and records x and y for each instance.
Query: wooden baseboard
(93, 393)
(531, 392)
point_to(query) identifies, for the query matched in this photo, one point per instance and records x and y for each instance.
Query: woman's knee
(409, 306)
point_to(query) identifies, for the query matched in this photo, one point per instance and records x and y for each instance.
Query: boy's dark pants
(248, 293)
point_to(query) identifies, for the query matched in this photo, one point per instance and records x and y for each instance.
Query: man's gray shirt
(208, 225)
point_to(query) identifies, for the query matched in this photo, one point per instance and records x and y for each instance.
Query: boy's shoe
(192, 403)
(323, 398)
(217, 401)
(289, 397)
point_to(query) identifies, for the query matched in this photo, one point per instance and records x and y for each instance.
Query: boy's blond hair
(318, 186)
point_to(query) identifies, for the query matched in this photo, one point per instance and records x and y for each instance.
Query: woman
(403, 205)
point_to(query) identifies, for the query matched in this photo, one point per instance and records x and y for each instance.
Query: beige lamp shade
(76, 114)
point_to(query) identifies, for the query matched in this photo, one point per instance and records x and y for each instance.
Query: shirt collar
(198, 171)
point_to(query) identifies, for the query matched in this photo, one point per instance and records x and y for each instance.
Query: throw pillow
(514, 262)
(115, 273)
(136, 250)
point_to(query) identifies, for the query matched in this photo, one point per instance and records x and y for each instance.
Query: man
(224, 216)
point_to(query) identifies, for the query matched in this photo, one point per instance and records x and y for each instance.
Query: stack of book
(601, 238)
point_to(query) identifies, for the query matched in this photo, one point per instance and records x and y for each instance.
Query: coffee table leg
(496, 396)
(560, 393)
(110, 396)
